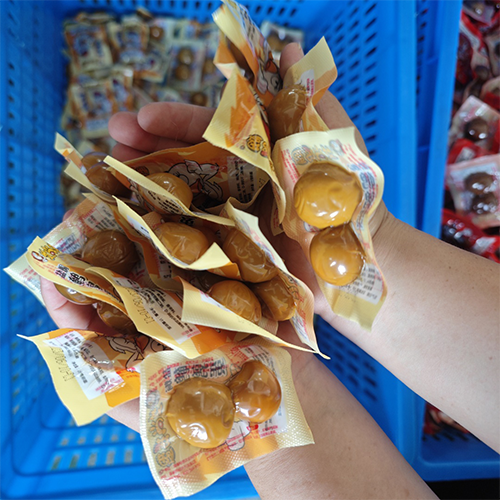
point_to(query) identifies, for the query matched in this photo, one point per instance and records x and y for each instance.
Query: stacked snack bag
(121, 64)
(167, 254)
(471, 216)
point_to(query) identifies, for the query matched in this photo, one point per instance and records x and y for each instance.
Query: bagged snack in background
(182, 469)
(244, 46)
(129, 39)
(280, 36)
(88, 46)
(477, 122)
(93, 373)
(362, 297)
(186, 66)
(475, 187)
(462, 233)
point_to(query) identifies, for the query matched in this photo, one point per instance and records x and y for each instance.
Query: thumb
(291, 54)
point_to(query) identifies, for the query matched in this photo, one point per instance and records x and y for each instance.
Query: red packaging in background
(462, 233)
(472, 56)
(435, 421)
(493, 43)
(475, 187)
(465, 150)
(477, 122)
(490, 93)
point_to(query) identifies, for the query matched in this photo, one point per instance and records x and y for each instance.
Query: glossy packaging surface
(201, 412)
(112, 250)
(337, 256)
(238, 298)
(326, 195)
(256, 392)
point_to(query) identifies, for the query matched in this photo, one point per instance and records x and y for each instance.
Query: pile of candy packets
(173, 257)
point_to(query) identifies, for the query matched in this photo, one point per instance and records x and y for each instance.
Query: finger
(174, 120)
(335, 116)
(127, 414)
(68, 214)
(329, 108)
(68, 315)
(125, 153)
(291, 54)
(125, 129)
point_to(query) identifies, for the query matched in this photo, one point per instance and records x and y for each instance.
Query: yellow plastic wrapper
(247, 49)
(67, 271)
(152, 196)
(89, 217)
(214, 258)
(93, 373)
(360, 300)
(213, 174)
(181, 469)
(200, 308)
(315, 72)
(237, 126)
(159, 314)
(75, 168)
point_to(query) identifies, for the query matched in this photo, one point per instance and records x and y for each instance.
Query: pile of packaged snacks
(167, 251)
(471, 214)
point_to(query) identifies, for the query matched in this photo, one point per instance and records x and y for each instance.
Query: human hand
(172, 125)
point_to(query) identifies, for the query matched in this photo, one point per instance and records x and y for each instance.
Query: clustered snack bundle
(172, 252)
(473, 168)
(471, 215)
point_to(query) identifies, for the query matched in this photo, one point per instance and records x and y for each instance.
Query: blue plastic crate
(43, 454)
(448, 455)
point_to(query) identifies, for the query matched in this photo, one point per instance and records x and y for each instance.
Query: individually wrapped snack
(153, 66)
(479, 10)
(474, 58)
(89, 217)
(149, 226)
(186, 67)
(278, 37)
(129, 38)
(238, 127)
(361, 299)
(213, 175)
(159, 314)
(93, 373)
(200, 308)
(210, 75)
(94, 104)
(161, 31)
(292, 110)
(493, 44)
(475, 187)
(244, 46)
(70, 273)
(490, 93)
(181, 469)
(465, 150)
(461, 232)
(88, 46)
(475, 121)
(122, 80)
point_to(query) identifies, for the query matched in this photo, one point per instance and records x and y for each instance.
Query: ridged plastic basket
(43, 454)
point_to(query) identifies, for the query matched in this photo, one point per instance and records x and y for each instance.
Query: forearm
(438, 330)
(351, 457)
